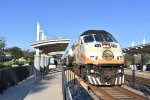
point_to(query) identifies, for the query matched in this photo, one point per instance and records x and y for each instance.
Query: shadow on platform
(30, 86)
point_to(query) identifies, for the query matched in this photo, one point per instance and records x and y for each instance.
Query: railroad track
(138, 80)
(113, 92)
(108, 92)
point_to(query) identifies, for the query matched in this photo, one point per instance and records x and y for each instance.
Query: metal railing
(12, 76)
(68, 78)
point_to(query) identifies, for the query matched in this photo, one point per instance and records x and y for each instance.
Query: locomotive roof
(88, 32)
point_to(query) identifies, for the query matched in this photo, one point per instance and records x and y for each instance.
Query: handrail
(68, 78)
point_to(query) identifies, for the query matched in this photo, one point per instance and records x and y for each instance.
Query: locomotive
(97, 57)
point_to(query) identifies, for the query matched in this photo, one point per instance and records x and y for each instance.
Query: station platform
(138, 73)
(45, 87)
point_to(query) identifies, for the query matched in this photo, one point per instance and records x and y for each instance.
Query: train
(97, 57)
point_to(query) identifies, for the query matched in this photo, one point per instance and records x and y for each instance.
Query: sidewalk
(46, 87)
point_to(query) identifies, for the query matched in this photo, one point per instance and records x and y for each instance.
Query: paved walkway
(46, 87)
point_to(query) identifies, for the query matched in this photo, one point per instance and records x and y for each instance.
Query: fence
(68, 78)
(12, 76)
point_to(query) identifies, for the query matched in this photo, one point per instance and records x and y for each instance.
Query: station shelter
(47, 49)
(140, 51)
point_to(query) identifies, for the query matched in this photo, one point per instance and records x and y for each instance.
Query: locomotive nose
(107, 55)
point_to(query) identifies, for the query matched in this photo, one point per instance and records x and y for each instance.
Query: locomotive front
(100, 58)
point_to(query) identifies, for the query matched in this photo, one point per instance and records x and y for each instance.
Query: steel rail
(112, 92)
(138, 97)
(138, 80)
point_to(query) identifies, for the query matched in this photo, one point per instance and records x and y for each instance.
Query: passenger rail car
(97, 57)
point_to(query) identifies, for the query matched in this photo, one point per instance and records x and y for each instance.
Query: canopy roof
(52, 45)
(139, 49)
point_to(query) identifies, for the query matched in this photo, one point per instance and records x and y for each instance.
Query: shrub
(8, 64)
(21, 63)
(1, 66)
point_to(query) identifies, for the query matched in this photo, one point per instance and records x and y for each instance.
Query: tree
(127, 59)
(28, 55)
(2, 46)
(15, 52)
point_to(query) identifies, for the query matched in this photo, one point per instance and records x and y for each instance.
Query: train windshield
(98, 38)
(109, 38)
(88, 38)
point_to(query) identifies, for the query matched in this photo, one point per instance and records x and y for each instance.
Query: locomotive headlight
(97, 45)
(106, 45)
(119, 58)
(119, 70)
(114, 46)
(92, 71)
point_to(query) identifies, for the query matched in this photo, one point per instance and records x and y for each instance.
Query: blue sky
(126, 20)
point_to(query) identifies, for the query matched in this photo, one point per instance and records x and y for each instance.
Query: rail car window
(88, 39)
(98, 38)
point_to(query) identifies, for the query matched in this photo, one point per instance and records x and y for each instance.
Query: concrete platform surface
(138, 73)
(47, 87)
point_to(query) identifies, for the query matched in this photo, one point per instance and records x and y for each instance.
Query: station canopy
(52, 45)
(139, 49)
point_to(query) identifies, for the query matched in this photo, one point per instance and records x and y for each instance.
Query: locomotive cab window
(109, 38)
(98, 38)
(88, 38)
